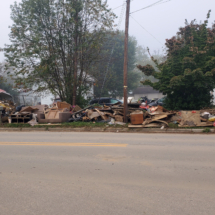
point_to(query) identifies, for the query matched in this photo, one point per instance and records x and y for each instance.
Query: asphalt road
(106, 174)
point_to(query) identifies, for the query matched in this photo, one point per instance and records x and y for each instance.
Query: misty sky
(161, 21)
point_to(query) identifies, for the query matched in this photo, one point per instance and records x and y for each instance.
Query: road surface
(106, 174)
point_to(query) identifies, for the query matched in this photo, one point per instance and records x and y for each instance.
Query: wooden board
(160, 116)
(153, 125)
(135, 126)
(51, 114)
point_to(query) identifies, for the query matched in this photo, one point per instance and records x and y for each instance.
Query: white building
(146, 91)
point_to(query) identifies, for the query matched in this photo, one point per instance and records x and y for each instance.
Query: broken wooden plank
(157, 117)
(135, 126)
(102, 115)
(153, 125)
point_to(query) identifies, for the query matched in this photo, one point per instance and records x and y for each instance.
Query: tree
(113, 85)
(55, 44)
(143, 59)
(187, 77)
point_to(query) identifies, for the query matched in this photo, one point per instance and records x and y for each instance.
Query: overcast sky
(160, 22)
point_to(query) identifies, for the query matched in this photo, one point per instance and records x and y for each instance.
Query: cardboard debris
(190, 118)
(92, 115)
(28, 109)
(154, 117)
(62, 105)
(119, 118)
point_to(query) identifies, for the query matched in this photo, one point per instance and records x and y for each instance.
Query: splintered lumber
(102, 115)
(28, 109)
(91, 114)
(160, 116)
(148, 122)
(135, 126)
(119, 118)
(153, 125)
(109, 114)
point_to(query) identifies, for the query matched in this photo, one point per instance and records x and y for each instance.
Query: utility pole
(75, 57)
(126, 62)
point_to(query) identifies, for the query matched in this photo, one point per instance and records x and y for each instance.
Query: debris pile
(111, 114)
(158, 117)
(8, 108)
(138, 117)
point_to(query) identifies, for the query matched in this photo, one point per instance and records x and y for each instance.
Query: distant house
(5, 96)
(146, 91)
(28, 98)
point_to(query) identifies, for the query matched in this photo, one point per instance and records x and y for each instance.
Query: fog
(158, 22)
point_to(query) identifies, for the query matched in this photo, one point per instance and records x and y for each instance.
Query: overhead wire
(120, 6)
(118, 26)
(145, 29)
(112, 50)
(164, 2)
(160, 1)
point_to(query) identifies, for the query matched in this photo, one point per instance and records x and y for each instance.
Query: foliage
(143, 59)
(206, 130)
(64, 125)
(187, 77)
(173, 125)
(113, 85)
(54, 44)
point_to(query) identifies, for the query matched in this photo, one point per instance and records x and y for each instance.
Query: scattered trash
(140, 115)
(212, 119)
(33, 122)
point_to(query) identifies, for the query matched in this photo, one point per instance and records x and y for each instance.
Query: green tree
(55, 44)
(187, 77)
(113, 85)
(143, 59)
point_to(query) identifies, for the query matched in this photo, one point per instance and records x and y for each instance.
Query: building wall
(47, 99)
(28, 99)
(150, 96)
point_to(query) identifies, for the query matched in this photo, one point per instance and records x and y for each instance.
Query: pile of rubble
(59, 112)
(109, 114)
(8, 108)
(158, 117)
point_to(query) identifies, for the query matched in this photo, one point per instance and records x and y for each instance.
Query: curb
(111, 130)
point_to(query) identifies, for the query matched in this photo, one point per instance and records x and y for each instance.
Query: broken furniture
(21, 117)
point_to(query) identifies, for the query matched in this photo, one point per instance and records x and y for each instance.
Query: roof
(2, 91)
(145, 90)
(4, 95)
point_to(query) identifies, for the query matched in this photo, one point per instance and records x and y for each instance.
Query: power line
(165, 2)
(112, 50)
(120, 6)
(147, 6)
(145, 30)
